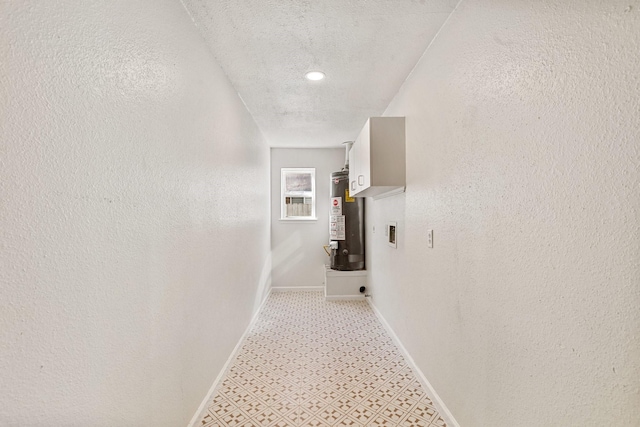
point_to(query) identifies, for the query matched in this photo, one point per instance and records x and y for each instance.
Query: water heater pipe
(348, 145)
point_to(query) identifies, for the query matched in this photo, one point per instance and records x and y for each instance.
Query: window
(298, 193)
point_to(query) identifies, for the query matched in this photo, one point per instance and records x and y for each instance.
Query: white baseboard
(437, 401)
(296, 288)
(203, 406)
(343, 297)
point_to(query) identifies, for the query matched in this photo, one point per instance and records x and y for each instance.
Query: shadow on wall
(264, 284)
(288, 253)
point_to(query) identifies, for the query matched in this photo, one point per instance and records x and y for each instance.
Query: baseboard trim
(203, 406)
(296, 288)
(343, 297)
(437, 401)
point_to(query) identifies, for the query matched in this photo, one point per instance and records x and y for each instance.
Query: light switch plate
(430, 238)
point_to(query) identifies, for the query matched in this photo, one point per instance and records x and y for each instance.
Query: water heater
(346, 224)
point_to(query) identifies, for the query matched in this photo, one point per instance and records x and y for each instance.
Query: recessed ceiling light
(314, 75)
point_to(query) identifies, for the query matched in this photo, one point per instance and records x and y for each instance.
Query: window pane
(298, 206)
(298, 182)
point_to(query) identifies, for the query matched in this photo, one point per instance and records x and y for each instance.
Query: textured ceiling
(366, 48)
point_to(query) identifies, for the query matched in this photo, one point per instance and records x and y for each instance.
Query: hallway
(141, 212)
(311, 362)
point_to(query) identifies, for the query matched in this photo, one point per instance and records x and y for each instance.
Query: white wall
(523, 157)
(134, 188)
(297, 245)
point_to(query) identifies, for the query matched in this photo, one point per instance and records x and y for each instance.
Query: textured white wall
(523, 156)
(297, 245)
(134, 214)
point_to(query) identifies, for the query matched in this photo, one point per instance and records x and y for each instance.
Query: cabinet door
(353, 169)
(359, 162)
(364, 158)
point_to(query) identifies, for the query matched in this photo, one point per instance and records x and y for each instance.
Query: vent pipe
(348, 145)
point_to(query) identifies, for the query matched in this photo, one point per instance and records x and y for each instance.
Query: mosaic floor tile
(311, 362)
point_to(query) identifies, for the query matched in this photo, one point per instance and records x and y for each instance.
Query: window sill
(298, 219)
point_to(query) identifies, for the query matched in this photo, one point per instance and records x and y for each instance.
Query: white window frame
(284, 194)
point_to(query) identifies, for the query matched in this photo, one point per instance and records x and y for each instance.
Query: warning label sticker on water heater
(336, 227)
(336, 206)
(347, 198)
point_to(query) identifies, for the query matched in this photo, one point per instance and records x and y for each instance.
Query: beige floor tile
(311, 362)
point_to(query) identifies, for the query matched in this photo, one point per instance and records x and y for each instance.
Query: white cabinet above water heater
(377, 165)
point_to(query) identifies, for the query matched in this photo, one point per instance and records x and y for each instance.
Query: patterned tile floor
(311, 362)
